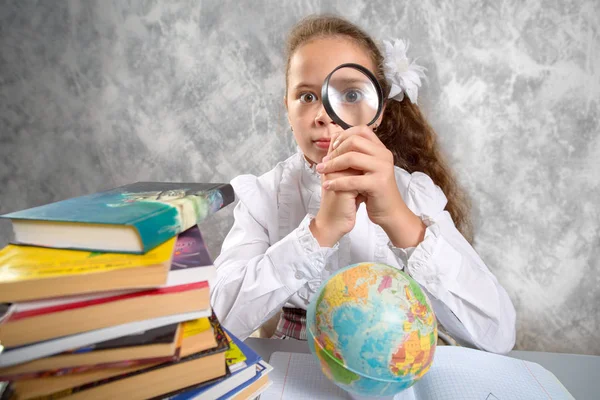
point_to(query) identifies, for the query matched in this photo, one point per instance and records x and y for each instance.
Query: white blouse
(270, 259)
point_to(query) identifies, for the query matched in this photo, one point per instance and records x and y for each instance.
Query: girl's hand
(359, 148)
(337, 214)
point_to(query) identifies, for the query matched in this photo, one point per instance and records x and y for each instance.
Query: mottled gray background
(95, 94)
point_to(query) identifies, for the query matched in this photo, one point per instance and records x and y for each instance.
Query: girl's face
(309, 66)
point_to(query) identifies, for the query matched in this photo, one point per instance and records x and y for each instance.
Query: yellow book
(198, 335)
(31, 273)
(234, 357)
(196, 326)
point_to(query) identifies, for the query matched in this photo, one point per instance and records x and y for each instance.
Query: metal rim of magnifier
(327, 104)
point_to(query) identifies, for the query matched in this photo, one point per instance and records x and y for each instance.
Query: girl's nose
(322, 118)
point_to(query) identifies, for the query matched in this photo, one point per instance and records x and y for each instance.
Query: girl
(363, 194)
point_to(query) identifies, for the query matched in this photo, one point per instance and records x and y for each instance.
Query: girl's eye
(352, 96)
(308, 98)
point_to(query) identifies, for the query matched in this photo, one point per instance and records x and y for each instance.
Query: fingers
(353, 160)
(334, 136)
(356, 183)
(354, 143)
(335, 175)
(361, 140)
(323, 178)
(362, 131)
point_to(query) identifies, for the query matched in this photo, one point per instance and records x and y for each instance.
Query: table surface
(580, 374)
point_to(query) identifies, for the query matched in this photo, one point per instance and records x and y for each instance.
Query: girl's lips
(322, 144)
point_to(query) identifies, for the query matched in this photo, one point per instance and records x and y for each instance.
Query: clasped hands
(359, 169)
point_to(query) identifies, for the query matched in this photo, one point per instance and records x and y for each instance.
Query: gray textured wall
(95, 94)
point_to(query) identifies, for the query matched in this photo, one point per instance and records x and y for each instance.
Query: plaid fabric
(292, 324)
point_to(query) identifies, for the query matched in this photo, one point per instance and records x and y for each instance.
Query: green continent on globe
(338, 372)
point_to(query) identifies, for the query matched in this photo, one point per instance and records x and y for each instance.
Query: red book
(29, 323)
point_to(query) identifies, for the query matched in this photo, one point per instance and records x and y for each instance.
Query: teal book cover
(157, 210)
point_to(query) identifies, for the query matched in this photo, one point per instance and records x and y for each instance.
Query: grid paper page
(298, 376)
(457, 374)
(461, 373)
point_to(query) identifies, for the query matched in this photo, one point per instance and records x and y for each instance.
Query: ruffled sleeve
(468, 299)
(258, 269)
(427, 201)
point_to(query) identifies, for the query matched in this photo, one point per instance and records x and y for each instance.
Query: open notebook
(456, 373)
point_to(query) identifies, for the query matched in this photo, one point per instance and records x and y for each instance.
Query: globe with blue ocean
(372, 329)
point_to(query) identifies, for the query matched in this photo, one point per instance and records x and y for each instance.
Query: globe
(372, 329)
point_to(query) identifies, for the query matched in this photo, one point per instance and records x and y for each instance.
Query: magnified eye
(308, 98)
(352, 96)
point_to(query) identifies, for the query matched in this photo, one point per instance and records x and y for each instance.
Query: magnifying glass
(352, 96)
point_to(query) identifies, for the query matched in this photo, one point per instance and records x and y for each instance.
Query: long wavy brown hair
(404, 130)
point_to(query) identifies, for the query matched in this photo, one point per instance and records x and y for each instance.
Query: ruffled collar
(311, 179)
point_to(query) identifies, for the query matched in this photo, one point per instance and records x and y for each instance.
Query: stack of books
(108, 296)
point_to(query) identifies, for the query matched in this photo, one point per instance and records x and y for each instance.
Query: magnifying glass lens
(353, 96)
